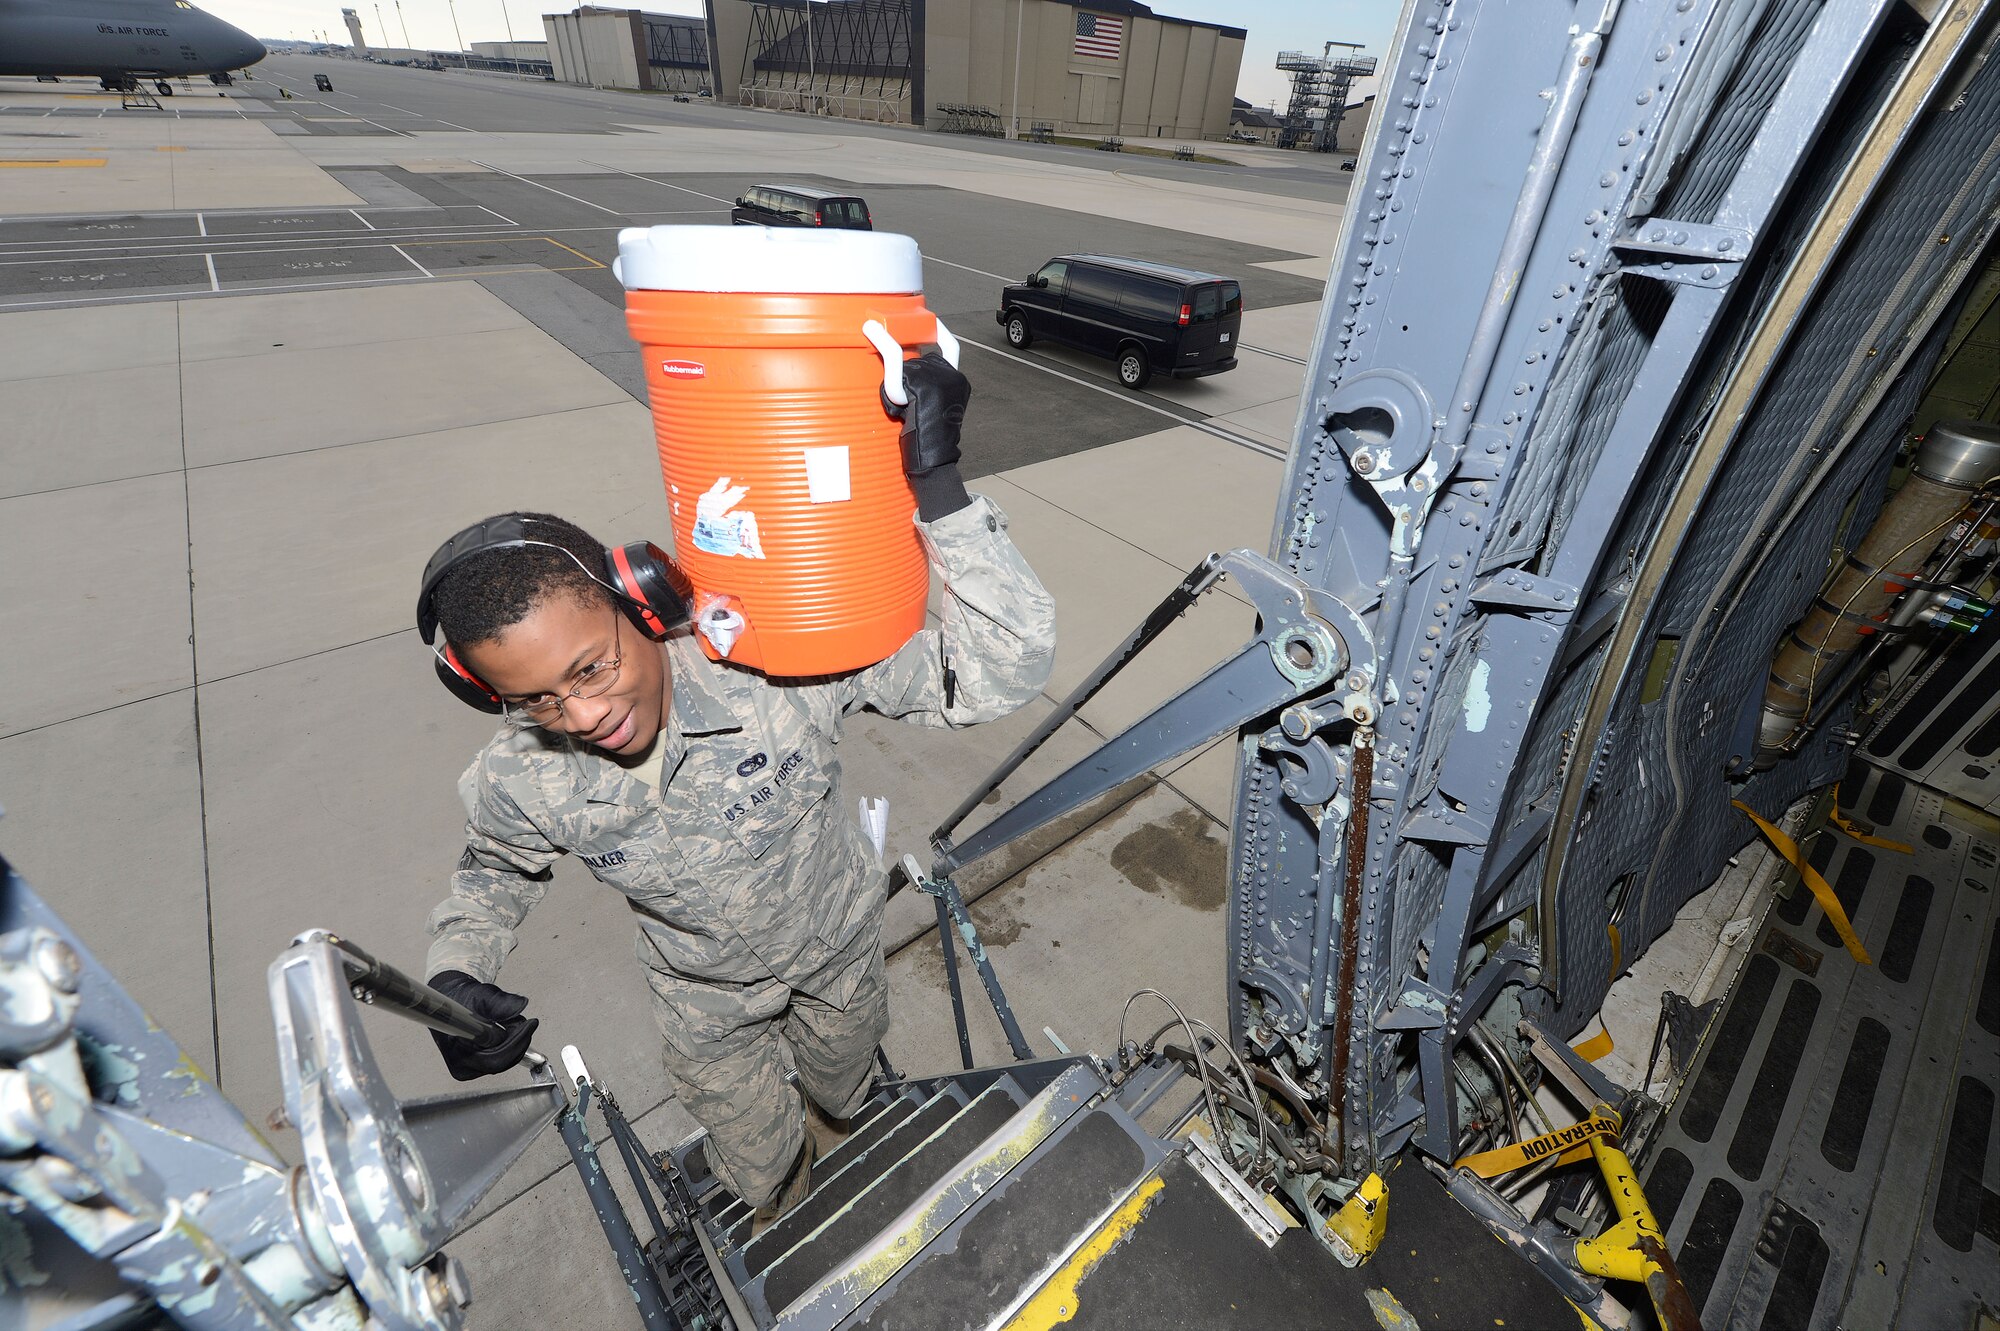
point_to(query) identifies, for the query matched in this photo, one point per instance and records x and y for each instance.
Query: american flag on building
(1099, 36)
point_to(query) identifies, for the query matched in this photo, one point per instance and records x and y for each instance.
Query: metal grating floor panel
(1831, 1158)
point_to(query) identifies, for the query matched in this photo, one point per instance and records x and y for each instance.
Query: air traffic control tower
(354, 36)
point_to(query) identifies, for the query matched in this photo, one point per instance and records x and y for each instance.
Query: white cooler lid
(776, 259)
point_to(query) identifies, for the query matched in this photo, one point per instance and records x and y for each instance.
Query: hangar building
(1108, 67)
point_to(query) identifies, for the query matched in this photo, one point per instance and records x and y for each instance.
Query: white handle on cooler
(892, 356)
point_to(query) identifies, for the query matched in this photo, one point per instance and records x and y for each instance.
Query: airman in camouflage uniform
(758, 896)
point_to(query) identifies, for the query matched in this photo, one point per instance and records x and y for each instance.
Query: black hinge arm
(1297, 651)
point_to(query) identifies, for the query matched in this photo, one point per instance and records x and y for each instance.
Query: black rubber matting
(1190, 1262)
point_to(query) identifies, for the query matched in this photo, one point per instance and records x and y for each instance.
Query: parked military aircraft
(119, 42)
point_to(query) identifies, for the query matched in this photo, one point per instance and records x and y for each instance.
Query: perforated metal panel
(1944, 732)
(1790, 1178)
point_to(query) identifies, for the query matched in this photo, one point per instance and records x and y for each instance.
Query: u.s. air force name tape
(1568, 1144)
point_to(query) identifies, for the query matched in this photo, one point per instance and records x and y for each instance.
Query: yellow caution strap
(1836, 914)
(1566, 1144)
(1840, 821)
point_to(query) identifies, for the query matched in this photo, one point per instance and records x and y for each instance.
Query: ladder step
(826, 1248)
(837, 1190)
(873, 1120)
(828, 1170)
(1008, 1247)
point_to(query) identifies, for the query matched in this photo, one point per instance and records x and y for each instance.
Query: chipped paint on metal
(970, 933)
(1478, 697)
(184, 1070)
(1389, 1314)
(113, 1070)
(17, 1256)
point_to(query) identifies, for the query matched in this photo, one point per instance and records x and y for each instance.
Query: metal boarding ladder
(925, 1165)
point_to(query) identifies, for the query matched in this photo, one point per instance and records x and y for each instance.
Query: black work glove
(467, 1059)
(932, 421)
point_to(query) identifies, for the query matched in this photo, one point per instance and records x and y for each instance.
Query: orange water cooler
(767, 351)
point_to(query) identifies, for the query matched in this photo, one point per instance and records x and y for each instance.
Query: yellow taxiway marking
(51, 161)
(170, 148)
(587, 260)
(578, 253)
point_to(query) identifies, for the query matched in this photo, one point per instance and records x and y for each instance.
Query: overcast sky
(1273, 25)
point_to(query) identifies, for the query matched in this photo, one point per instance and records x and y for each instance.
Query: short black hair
(491, 591)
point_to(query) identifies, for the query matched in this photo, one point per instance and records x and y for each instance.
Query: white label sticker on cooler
(826, 475)
(683, 369)
(722, 529)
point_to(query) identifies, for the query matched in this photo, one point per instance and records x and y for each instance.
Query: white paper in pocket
(875, 822)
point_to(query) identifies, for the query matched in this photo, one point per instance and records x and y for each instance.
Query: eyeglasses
(592, 681)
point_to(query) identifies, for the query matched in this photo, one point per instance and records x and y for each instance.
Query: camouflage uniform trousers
(736, 1081)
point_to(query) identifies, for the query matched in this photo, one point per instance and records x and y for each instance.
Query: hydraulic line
(1249, 1090)
(1493, 1060)
(1189, 1026)
(1194, 1048)
(1480, 1031)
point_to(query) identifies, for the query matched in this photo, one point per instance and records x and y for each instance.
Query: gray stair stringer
(868, 1269)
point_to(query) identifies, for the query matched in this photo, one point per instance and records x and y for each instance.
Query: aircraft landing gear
(166, 88)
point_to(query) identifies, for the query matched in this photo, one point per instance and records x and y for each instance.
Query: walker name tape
(1570, 1143)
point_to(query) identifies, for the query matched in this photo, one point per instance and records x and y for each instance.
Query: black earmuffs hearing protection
(643, 580)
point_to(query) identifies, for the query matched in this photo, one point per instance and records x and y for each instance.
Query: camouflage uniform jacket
(746, 865)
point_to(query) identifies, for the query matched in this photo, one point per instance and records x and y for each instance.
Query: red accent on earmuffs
(458, 668)
(628, 584)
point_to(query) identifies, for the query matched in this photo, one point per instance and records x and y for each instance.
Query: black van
(1151, 318)
(800, 205)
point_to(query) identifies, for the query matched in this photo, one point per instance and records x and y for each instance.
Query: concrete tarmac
(258, 355)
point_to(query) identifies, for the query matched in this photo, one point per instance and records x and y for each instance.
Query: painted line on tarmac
(1275, 355)
(191, 292)
(663, 184)
(967, 268)
(1206, 427)
(248, 212)
(192, 245)
(550, 188)
(245, 242)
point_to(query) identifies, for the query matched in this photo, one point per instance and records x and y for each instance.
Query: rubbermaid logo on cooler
(683, 369)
